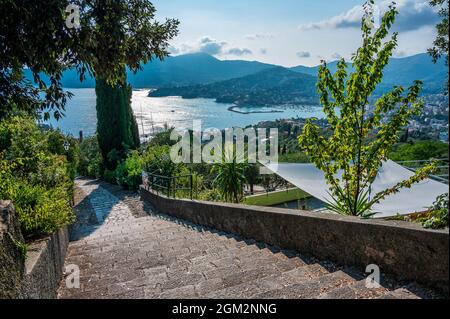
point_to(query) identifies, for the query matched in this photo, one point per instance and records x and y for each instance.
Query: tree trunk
(117, 129)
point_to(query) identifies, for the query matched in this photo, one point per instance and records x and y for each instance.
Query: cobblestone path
(124, 249)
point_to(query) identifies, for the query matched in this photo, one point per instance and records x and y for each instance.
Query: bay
(153, 114)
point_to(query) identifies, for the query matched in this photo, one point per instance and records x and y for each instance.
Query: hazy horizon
(290, 32)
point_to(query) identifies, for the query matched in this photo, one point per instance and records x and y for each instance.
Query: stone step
(309, 289)
(413, 291)
(400, 293)
(264, 284)
(138, 253)
(357, 290)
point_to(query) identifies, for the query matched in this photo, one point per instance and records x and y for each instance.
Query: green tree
(420, 150)
(112, 35)
(116, 126)
(440, 44)
(127, 28)
(348, 149)
(34, 35)
(230, 177)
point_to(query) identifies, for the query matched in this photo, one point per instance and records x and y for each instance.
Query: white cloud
(263, 51)
(400, 53)
(303, 54)
(239, 52)
(336, 56)
(412, 15)
(173, 50)
(209, 46)
(350, 18)
(260, 36)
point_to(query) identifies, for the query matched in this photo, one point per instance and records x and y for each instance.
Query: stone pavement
(124, 249)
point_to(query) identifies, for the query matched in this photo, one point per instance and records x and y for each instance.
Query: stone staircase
(124, 249)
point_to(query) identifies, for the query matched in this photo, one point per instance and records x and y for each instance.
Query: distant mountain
(189, 69)
(200, 68)
(401, 71)
(274, 86)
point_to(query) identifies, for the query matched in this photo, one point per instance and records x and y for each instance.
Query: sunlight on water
(152, 114)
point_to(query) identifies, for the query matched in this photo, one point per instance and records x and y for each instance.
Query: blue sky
(288, 32)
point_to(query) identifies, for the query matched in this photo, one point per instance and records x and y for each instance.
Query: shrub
(23, 142)
(56, 140)
(41, 211)
(211, 195)
(129, 172)
(90, 158)
(36, 175)
(421, 150)
(438, 215)
(162, 138)
(110, 176)
(156, 159)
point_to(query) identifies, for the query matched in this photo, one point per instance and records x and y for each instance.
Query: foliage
(90, 158)
(116, 126)
(210, 195)
(34, 176)
(22, 247)
(348, 149)
(230, 177)
(128, 29)
(420, 150)
(129, 173)
(111, 36)
(157, 161)
(252, 175)
(297, 157)
(56, 141)
(162, 138)
(41, 210)
(438, 215)
(271, 182)
(440, 44)
(109, 176)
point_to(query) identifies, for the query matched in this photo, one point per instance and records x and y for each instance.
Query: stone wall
(404, 250)
(12, 266)
(44, 266)
(39, 274)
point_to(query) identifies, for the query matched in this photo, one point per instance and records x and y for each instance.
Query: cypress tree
(117, 129)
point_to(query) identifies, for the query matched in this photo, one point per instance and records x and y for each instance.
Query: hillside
(274, 86)
(401, 71)
(189, 69)
(199, 69)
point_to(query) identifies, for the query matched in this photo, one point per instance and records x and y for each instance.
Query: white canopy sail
(416, 199)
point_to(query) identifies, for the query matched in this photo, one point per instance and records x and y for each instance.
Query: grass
(275, 198)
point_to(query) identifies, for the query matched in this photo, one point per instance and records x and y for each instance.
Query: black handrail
(168, 184)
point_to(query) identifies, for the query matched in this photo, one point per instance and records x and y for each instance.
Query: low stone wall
(44, 266)
(404, 250)
(39, 274)
(12, 267)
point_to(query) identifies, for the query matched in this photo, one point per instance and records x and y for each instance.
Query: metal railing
(169, 185)
(442, 174)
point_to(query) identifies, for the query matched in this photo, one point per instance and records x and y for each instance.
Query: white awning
(409, 200)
